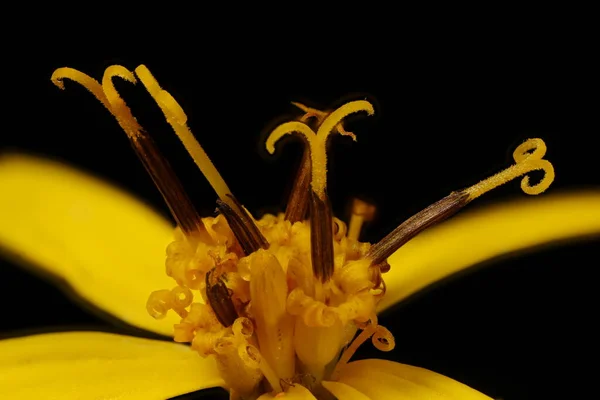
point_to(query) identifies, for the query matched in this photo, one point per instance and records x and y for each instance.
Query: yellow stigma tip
(317, 141)
(528, 157)
(89, 83)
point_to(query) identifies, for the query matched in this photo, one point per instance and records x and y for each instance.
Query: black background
(450, 111)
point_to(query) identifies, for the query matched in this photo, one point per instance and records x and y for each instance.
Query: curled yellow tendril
(310, 112)
(108, 95)
(243, 326)
(105, 93)
(176, 299)
(381, 338)
(528, 157)
(315, 313)
(239, 362)
(89, 83)
(317, 141)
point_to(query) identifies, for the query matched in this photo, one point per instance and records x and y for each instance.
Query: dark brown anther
(245, 230)
(321, 237)
(298, 202)
(410, 228)
(168, 184)
(219, 298)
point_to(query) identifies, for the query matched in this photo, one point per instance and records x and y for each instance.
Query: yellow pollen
(317, 141)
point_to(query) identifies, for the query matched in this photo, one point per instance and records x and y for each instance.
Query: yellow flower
(269, 306)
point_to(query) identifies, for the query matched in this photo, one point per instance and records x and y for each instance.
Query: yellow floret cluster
(288, 324)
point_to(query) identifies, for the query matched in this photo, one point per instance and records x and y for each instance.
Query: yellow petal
(107, 246)
(476, 236)
(345, 392)
(296, 392)
(382, 379)
(94, 365)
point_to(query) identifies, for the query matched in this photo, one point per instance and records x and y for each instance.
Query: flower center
(277, 301)
(266, 315)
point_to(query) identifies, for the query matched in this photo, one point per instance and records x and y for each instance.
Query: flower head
(278, 301)
(281, 303)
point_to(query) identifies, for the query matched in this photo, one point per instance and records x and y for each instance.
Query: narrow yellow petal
(94, 365)
(343, 391)
(477, 236)
(107, 246)
(383, 379)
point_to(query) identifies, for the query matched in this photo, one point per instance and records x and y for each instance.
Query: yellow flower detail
(317, 141)
(274, 307)
(276, 301)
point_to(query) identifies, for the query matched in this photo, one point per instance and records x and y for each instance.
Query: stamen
(177, 118)
(297, 204)
(219, 298)
(361, 212)
(321, 237)
(162, 174)
(320, 213)
(528, 157)
(243, 227)
(431, 215)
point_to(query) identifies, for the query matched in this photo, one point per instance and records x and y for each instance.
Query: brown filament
(321, 237)
(410, 228)
(243, 227)
(297, 205)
